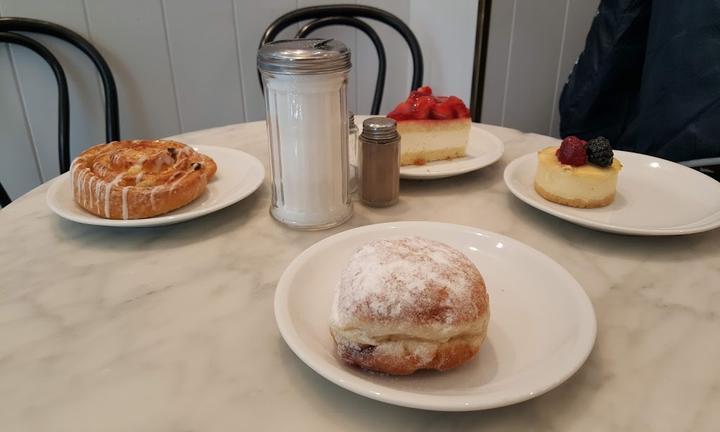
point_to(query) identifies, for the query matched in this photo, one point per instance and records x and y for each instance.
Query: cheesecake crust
(574, 202)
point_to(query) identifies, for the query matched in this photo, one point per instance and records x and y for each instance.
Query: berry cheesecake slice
(431, 127)
(578, 173)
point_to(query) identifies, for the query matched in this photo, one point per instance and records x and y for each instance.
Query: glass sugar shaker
(305, 83)
(379, 162)
(353, 154)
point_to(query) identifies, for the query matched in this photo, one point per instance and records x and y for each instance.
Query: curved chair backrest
(8, 28)
(4, 197)
(708, 166)
(63, 104)
(323, 16)
(374, 38)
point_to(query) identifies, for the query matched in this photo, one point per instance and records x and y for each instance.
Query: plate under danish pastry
(140, 178)
(238, 175)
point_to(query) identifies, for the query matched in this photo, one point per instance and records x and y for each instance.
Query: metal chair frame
(9, 26)
(323, 16)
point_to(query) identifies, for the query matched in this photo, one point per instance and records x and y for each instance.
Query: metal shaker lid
(380, 128)
(304, 56)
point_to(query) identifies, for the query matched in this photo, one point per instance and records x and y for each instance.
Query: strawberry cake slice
(431, 127)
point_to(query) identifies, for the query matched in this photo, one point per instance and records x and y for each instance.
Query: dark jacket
(649, 79)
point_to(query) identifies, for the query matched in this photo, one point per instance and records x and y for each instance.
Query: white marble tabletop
(172, 328)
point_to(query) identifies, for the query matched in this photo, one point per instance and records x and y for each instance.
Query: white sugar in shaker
(305, 83)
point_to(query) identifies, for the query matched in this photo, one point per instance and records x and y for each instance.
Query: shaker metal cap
(380, 128)
(303, 56)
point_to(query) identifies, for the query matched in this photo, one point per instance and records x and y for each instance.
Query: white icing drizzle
(81, 185)
(176, 182)
(73, 167)
(138, 178)
(114, 159)
(124, 202)
(79, 192)
(185, 151)
(100, 169)
(87, 178)
(98, 188)
(89, 192)
(73, 175)
(163, 159)
(108, 189)
(152, 196)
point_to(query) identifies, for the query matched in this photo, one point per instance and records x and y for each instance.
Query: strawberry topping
(442, 111)
(424, 91)
(422, 105)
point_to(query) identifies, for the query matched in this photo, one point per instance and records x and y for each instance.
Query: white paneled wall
(532, 48)
(446, 32)
(183, 65)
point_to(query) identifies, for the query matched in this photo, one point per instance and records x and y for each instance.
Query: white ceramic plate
(542, 324)
(654, 197)
(483, 149)
(238, 175)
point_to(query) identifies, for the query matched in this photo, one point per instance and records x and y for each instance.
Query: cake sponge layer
(423, 141)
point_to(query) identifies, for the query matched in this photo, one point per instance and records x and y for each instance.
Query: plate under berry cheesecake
(431, 127)
(578, 173)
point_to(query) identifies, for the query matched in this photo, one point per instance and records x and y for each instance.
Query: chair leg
(4, 197)
(711, 170)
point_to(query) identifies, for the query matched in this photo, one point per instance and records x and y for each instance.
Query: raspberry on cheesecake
(431, 127)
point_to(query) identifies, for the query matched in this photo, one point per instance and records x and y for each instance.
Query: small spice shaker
(379, 162)
(353, 154)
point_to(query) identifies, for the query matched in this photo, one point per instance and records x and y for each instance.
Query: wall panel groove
(553, 106)
(28, 127)
(98, 80)
(239, 58)
(580, 16)
(172, 68)
(19, 170)
(507, 67)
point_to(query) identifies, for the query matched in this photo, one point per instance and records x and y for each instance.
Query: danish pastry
(139, 179)
(407, 304)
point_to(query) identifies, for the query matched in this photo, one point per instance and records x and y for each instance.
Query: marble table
(172, 328)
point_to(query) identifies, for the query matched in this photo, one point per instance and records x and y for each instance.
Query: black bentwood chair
(9, 28)
(323, 16)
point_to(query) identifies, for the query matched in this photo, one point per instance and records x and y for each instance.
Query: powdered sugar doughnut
(407, 304)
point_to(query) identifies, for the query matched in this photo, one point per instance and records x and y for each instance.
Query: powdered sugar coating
(410, 280)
